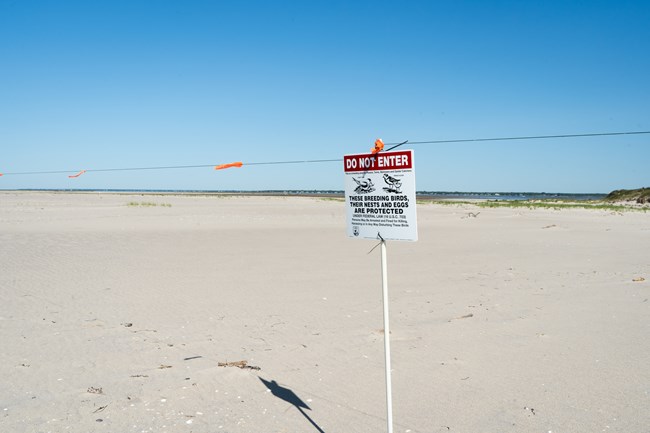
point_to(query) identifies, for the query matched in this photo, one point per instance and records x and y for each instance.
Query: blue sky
(92, 85)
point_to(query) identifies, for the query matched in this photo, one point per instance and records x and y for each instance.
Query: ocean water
(436, 195)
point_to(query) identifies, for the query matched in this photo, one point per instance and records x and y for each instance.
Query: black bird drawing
(394, 184)
(364, 186)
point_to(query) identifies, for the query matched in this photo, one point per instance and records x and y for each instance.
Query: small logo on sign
(355, 230)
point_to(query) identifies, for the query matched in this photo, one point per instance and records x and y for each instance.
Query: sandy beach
(117, 310)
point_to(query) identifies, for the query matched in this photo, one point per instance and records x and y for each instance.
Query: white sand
(558, 339)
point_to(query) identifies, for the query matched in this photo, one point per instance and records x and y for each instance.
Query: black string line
(394, 145)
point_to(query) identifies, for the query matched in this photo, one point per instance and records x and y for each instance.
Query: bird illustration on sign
(364, 186)
(394, 184)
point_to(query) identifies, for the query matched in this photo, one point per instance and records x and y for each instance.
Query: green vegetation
(641, 195)
(445, 202)
(556, 205)
(541, 204)
(147, 204)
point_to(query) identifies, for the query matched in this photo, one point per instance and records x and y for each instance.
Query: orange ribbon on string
(78, 174)
(379, 146)
(231, 164)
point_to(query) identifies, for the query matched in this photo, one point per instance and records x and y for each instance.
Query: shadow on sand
(290, 397)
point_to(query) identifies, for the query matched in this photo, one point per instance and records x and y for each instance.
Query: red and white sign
(380, 195)
(380, 161)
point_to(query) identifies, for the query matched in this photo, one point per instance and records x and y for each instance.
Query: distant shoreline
(421, 195)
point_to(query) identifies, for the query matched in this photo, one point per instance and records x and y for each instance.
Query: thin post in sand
(384, 286)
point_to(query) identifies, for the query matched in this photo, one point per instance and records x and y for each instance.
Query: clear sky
(91, 85)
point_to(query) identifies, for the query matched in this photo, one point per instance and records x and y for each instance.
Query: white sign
(380, 196)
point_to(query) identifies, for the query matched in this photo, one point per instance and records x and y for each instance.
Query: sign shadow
(290, 397)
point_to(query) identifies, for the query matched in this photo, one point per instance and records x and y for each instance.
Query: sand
(115, 318)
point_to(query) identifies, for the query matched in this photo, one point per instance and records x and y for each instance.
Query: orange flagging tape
(231, 164)
(78, 174)
(379, 146)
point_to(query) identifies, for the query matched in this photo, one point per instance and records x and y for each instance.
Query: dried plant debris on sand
(466, 316)
(239, 364)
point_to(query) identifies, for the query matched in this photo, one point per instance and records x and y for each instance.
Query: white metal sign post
(384, 296)
(380, 205)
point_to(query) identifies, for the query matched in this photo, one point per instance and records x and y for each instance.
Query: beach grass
(542, 204)
(558, 205)
(147, 204)
(640, 195)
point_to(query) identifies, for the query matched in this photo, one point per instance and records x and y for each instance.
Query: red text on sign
(382, 161)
